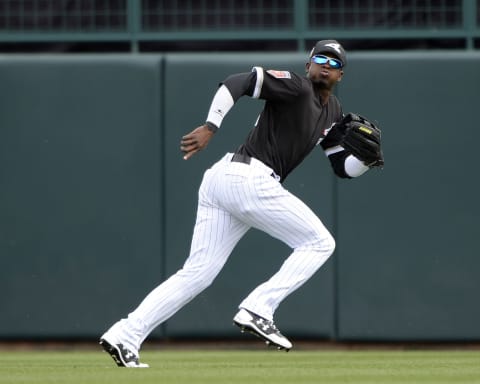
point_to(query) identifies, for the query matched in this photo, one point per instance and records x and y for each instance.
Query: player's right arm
(230, 90)
(196, 140)
(259, 84)
(227, 94)
(268, 85)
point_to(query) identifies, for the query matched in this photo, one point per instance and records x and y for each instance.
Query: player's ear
(340, 77)
(307, 67)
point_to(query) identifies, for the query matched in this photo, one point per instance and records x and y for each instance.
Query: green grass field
(246, 367)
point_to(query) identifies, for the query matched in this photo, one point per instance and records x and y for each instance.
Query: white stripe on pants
(234, 197)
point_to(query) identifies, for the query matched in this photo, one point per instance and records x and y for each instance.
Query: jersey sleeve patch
(279, 74)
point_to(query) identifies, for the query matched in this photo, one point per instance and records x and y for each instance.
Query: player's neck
(322, 91)
(323, 95)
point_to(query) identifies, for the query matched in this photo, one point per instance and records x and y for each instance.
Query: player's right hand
(195, 141)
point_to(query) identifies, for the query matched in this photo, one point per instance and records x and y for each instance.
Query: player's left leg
(285, 217)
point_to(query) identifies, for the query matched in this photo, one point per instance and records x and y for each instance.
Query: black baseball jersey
(292, 122)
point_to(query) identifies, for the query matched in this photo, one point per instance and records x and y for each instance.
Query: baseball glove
(362, 139)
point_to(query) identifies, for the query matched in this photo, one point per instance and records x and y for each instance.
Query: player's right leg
(215, 235)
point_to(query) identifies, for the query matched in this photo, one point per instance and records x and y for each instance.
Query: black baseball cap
(330, 46)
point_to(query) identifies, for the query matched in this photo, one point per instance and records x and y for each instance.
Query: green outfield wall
(97, 205)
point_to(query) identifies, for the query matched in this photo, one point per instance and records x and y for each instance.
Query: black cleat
(262, 328)
(121, 355)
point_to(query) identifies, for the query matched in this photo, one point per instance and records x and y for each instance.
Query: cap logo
(335, 46)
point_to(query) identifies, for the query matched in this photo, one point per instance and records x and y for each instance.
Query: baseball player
(244, 190)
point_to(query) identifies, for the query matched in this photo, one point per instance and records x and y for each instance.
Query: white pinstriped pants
(234, 197)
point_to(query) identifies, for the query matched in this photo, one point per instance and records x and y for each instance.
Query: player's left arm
(353, 146)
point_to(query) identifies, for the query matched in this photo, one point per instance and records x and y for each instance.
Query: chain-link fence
(136, 21)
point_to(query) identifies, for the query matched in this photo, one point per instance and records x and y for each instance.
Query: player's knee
(330, 244)
(197, 277)
(325, 244)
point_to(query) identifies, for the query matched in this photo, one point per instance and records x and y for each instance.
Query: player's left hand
(362, 139)
(195, 141)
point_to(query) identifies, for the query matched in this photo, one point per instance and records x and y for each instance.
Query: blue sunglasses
(333, 63)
